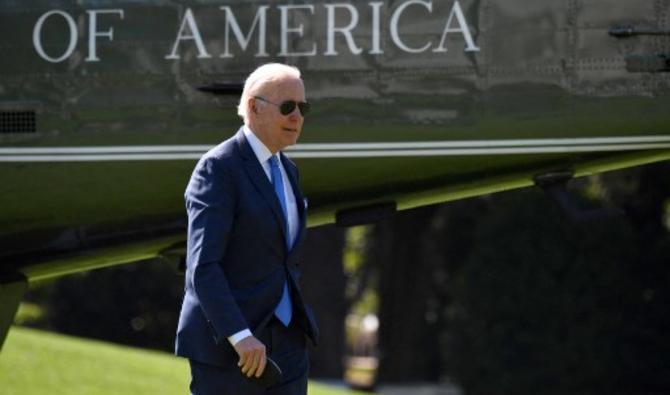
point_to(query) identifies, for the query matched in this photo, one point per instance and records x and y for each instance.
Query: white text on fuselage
(290, 31)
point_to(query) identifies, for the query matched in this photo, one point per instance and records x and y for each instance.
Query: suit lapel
(299, 201)
(257, 175)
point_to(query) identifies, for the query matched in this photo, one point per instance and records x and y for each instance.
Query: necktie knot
(274, 161)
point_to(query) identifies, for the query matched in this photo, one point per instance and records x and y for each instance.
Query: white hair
(258, 80)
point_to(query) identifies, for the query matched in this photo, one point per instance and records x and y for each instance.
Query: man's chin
(291, 140)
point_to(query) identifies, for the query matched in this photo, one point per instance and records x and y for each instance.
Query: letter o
(37, 36)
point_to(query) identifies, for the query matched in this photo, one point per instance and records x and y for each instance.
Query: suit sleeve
(210, 204)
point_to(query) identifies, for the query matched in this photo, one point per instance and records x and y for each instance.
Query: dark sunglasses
(288, 106)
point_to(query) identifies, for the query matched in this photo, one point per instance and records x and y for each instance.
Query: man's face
(275, 130)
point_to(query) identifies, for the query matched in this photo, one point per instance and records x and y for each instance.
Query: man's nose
(295, 114)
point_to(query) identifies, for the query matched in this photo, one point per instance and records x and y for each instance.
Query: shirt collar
(262, 152)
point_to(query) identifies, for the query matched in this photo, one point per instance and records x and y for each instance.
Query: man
(246, 221)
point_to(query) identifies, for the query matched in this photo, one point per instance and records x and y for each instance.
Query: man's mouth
(290, 130)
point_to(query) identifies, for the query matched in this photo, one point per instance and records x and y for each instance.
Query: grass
(35, 362)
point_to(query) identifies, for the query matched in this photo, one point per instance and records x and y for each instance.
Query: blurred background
(500, 294)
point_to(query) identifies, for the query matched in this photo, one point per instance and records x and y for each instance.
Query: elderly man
(246, 221)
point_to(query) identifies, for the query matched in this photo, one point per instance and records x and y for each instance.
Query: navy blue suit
(237, 257)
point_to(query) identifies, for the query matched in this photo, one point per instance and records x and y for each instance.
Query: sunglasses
(288, 106)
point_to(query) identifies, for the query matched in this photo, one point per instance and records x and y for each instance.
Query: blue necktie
(284, 310)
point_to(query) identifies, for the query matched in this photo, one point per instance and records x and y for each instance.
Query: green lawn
(34, 362)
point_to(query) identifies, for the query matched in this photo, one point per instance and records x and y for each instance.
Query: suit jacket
(237, 259)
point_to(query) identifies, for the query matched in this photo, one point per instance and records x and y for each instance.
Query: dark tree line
(505, 295)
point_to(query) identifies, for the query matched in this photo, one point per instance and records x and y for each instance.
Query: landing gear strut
(12, 289)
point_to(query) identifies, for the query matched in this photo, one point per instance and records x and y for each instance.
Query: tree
(523, 301)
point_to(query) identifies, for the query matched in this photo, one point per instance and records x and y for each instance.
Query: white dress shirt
(263, 155)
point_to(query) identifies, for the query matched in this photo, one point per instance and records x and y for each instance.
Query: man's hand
(252, 356)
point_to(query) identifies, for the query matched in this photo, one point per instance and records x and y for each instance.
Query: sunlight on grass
(34, 362)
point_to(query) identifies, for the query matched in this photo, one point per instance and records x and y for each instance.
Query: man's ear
(252, 105)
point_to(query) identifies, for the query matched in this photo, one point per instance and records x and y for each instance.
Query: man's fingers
(244, 349)
(252, 356)
(243, 364)
(254, 361)
(246, 368)
(261, 366)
